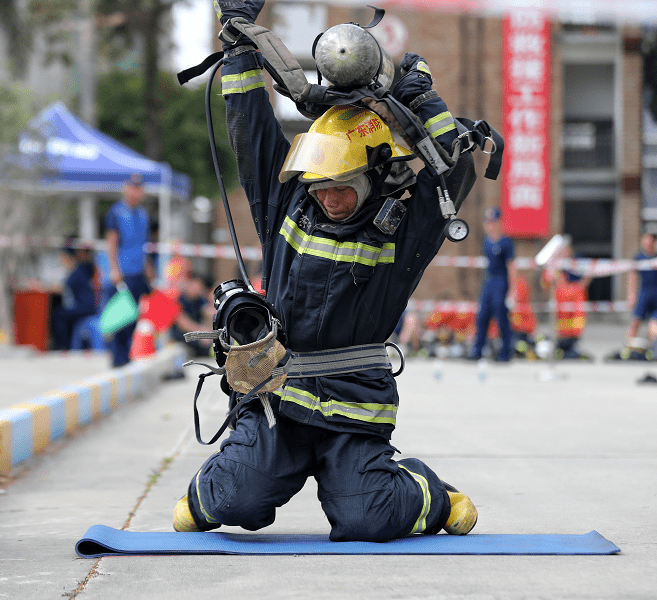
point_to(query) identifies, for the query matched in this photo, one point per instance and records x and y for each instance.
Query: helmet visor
(322, 156)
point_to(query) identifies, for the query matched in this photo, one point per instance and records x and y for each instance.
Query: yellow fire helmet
(335, 145)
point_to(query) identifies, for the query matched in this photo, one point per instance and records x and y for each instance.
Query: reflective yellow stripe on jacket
(241, 83)
(422, 66)
(338, 251)
(441, 123)
(370, 412)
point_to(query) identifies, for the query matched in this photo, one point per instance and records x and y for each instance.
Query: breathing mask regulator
(249, 348)
(250, 343)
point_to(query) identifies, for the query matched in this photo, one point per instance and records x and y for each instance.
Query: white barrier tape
(204, 250)
(586, 267)
(429, 306)
(193, 250)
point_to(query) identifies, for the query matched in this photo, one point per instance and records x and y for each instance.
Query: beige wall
(630, 188)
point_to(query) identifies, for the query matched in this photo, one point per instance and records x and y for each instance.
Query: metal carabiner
(401, 357)
(494, 145)
(468, 136)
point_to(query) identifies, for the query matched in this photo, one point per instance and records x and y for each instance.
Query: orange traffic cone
(143, 340)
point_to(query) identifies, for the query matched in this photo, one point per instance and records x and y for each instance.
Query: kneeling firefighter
(347, 229)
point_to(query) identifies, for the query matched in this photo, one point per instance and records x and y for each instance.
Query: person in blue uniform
(78, 294)
(499, 282)
(337, 281)
(127, 230)
(645, 301)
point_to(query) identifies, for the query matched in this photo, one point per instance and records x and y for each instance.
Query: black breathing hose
(217, 170)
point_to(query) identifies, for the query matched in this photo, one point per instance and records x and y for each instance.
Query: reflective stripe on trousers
(370, 412)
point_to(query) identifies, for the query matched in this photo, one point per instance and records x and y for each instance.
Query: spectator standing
(499, 281)
(645, 301)
(127, 232)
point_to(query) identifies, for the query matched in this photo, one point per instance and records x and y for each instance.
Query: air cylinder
(349, 57)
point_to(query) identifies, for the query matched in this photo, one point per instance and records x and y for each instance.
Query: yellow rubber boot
(462, 516)
(182, 517)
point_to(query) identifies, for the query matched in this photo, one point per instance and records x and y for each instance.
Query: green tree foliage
(19, 39)
(185, 142)
(15, 111)
(56, 20)
(50, 11)
(122, 27)
(144, 22)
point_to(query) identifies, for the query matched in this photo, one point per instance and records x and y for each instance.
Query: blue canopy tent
(69, 156)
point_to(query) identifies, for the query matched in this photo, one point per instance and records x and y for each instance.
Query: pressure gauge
(457, 230)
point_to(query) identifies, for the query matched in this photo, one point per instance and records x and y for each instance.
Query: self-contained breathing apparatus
(248, 337)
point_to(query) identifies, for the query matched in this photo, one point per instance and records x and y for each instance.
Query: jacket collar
(361, 222)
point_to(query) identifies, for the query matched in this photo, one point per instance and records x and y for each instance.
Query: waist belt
(304, 364)
(340, 360)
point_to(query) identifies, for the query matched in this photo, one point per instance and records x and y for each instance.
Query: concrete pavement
(574, 453)
(27, 373)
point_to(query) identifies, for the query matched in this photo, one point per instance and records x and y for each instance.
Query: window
(588, 144)
(649, 183)
(587, 28)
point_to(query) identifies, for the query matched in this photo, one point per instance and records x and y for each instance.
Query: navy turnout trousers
(365, 495)
(492, 304)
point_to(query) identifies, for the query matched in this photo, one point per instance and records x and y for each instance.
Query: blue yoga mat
(106, 541)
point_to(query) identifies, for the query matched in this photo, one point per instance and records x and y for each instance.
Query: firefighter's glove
(415, 80)
(414, 91)
(228, 9)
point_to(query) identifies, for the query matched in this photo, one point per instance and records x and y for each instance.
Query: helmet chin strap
(361, 184)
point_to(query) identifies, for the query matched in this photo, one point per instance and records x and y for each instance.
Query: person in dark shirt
(196, 314)
(645, 302)
(78, 294)
(499, 281)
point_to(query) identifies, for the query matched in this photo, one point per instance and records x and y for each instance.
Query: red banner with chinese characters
(526, 124)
